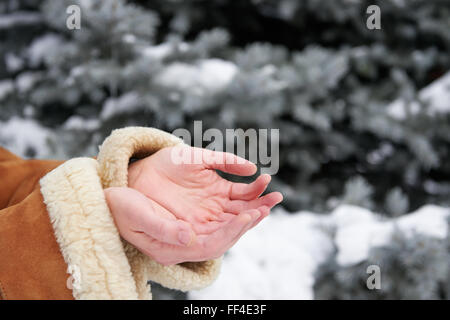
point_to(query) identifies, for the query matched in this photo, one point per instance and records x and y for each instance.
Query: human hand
(168, 240)
(195, 193)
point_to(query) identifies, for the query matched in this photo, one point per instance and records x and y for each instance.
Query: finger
(256, 215)
(169, 231)
(153, 220)
(226, 216)
(265, 211)
(217, 243)
(244, 191)
(205, 248)
(161, 252)
(227, 162)
(167, 254)
(268, 200)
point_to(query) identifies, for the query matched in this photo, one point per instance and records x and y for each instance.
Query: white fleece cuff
(113, 159)
(86, 233)
(103, 265)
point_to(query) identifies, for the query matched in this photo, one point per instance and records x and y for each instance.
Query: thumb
(144, 215)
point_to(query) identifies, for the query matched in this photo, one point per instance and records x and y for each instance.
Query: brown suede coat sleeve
(31, 264)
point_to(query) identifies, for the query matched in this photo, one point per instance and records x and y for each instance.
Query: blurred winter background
(364, 119)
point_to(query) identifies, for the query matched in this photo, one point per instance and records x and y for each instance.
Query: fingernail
(184, 237)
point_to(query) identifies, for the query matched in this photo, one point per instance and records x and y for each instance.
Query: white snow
(278, 258)
(18, 18)
(206, 77)
(6, 87)
(129, 38)
(17, 135)
(13, 62)
(428, 220)
(29, 111)
(163, 50)
(123, 104)
(358, 230)
(42, 47)
(436, 95)
(79, 123)
(26, 80)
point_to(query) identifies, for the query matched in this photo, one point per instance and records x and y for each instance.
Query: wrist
(134, 171)
(109, 196)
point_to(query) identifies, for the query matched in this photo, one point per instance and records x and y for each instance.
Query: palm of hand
(195, 192)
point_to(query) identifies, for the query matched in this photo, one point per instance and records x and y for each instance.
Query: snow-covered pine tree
(411, 267)
(328, 91)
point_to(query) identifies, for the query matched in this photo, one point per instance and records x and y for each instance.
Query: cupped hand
(159, 234)
(184, 181)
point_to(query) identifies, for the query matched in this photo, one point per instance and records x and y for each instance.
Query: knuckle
(160, 228)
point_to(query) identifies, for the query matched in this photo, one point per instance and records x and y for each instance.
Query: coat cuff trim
(86, 233)
(113, 159)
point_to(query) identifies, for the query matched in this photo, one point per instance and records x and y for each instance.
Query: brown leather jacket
(58, 239)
